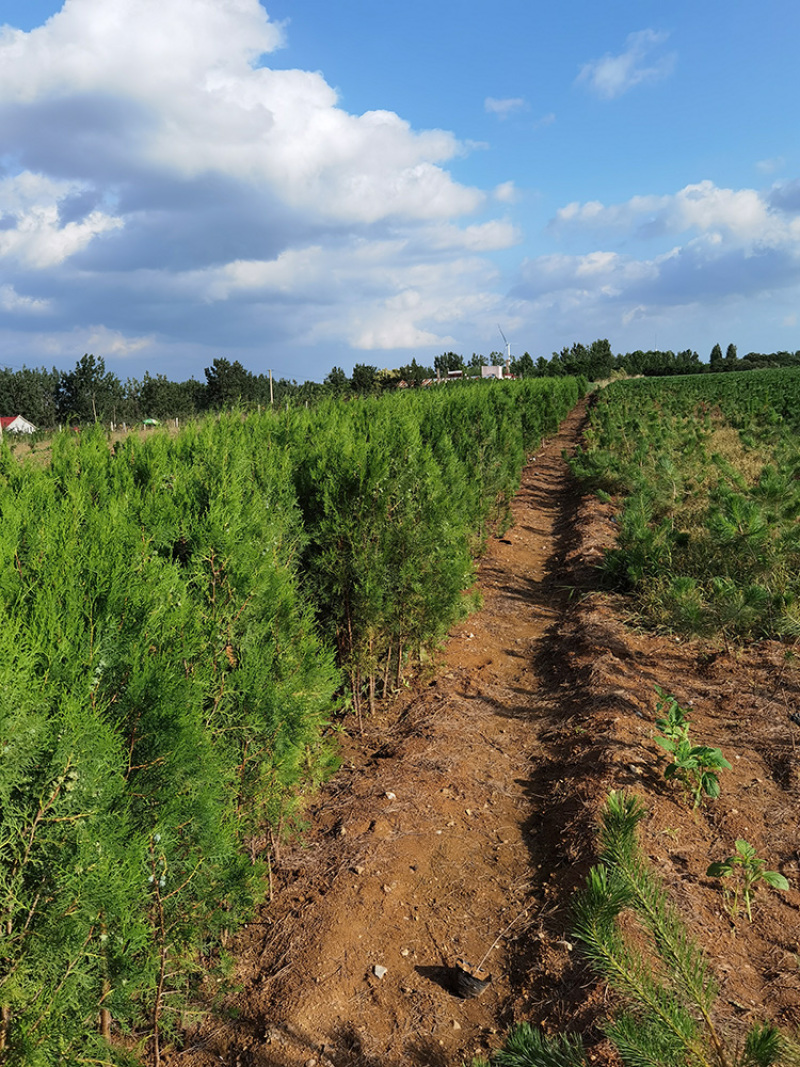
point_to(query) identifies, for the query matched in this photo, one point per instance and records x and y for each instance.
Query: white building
(16, 424)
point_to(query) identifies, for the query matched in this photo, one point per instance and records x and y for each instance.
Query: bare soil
(463, 820)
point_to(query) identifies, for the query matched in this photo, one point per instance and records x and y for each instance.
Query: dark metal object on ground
(471, 981)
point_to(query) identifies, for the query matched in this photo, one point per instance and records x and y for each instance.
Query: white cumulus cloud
(184, 76)
(725, 216)
(114, 343)
(160, 171)
(34, 233)
(11, 300)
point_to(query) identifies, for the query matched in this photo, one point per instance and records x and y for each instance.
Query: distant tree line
(597, 362)
(90, 393)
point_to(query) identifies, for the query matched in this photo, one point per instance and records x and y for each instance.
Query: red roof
(8, 420)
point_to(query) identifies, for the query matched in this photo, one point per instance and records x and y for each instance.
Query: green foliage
(448, 361)
(660, 364)
(227, 384)
(398, 496)
(667, 1006)
(337, 381)
(674, 720)
(88, 393)
(639, 944)
(703, 470)
(364, 379)
(161, 691)
(593, 363)
(746, 871)
(695, 766)
(526, 1047)
(414, 373)
(31, 393)
(174, 608)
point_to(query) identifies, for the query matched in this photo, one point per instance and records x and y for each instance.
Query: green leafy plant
(695, 766)
(674, 722)
(666, 991)
(747, 871)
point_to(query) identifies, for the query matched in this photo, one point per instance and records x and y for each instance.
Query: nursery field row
(708, 472)
(183, 616)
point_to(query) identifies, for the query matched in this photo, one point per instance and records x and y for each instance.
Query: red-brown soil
(462, 821)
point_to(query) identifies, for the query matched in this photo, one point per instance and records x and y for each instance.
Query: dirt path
(461, 823)
(426, 846)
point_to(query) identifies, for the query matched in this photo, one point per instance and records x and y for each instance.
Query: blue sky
(302, 184)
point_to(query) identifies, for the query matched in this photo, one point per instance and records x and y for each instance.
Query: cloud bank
(159, 163)
(722, 248)
(169, 193)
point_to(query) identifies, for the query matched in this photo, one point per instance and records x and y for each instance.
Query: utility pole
(271, 398)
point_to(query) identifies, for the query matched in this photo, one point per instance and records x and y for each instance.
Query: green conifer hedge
(177, 612)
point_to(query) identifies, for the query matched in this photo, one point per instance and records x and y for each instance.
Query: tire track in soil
(454, 823)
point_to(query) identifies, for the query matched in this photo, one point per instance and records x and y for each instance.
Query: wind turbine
(507, 344)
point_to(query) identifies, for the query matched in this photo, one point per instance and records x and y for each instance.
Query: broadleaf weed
(694, 766)
(747, 871)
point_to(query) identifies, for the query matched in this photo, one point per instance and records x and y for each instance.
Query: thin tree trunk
(5, 1023)
(371, 681)
(158, 1002)
(162, 964)
(355, 679)
(385, 689)
(105, 1014)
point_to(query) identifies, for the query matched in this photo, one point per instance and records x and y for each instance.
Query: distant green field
(707, 469)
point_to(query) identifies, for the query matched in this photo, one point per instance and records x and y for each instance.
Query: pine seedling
(747, 872)
(526, 1047)
(668, 990)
